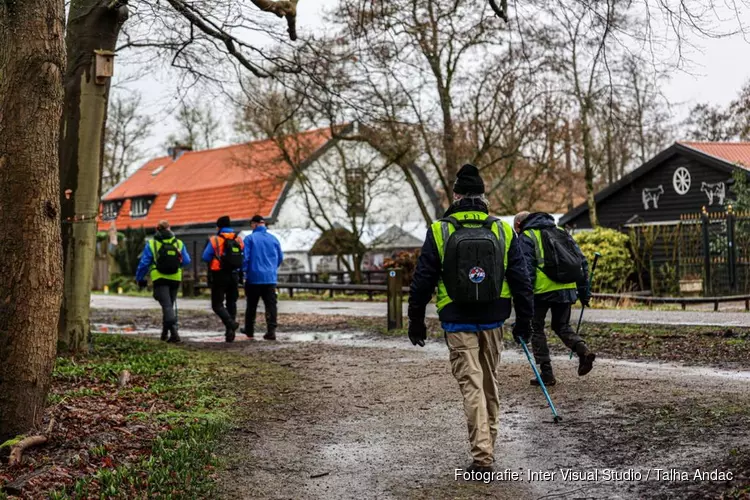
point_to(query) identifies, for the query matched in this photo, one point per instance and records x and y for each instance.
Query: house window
(139, 207)
(171, 201)
(109, 212)
(355, 186)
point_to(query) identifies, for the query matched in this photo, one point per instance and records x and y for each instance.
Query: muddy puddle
(218, 336)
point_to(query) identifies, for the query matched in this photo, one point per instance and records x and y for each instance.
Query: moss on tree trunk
(93, 25)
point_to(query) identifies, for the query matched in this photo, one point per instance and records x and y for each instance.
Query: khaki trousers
(474, 358)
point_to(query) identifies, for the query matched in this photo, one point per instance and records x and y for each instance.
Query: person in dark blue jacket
(263, 256)
(166, 284)
(551, 296)
(473, 330)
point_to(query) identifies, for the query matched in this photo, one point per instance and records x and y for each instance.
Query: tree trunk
(32, 58)
(587, 163)
(93, 26)
(610, 160)
(569, 166)
(449, 140)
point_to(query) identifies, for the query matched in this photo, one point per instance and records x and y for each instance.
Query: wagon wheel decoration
(681, 180)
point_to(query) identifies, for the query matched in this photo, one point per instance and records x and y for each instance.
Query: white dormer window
(171, 201)
(139, 207)
(157, 170)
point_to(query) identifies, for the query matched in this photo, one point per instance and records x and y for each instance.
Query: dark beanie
(224, 221)
(468, 181)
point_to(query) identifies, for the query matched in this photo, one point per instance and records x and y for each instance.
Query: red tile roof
(238, 181)
(736, 153)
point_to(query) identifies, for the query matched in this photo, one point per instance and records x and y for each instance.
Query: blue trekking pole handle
(556, 417)
(591, 278)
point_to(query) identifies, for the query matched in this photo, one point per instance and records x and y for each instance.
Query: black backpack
(562, 260)
(168, 256)
(473, 261)
(232, 255)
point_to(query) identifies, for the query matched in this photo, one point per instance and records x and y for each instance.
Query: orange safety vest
(217, 242)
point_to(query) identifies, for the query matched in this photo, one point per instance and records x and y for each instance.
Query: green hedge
(616, 263)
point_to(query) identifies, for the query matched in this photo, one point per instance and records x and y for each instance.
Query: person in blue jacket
(163, 258)
(263, 256)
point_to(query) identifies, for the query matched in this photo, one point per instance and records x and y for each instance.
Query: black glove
(417, 332)
(522, 331)
(142, 284)
(584, 296)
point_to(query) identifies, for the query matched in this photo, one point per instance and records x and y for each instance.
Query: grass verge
(154, 438)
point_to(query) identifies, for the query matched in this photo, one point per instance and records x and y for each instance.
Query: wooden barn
(682, 179)
(676, 209)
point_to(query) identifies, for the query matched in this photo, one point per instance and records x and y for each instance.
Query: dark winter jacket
(541, 220)
(429, 268)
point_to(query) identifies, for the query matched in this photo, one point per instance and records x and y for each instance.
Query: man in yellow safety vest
(539, 233)
(476, 264)
(163, 259)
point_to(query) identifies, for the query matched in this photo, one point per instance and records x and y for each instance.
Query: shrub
(616, 263)
(128, 252)
(127, 283)
(406, 260)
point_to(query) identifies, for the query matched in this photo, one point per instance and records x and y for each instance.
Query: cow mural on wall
(651, 196)
(713, 190)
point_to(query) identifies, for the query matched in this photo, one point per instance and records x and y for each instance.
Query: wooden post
(395, 299)
(731, 254)
(195, 260)
(706, 254)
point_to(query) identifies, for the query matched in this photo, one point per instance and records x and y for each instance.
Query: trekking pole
(591, 278)
(556, 418)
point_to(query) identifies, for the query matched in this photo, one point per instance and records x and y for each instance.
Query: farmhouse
(680, 180)
(303, 185)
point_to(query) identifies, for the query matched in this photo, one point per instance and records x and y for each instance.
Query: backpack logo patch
(477, 275)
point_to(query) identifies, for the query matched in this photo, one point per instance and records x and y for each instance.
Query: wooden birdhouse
(105, 65)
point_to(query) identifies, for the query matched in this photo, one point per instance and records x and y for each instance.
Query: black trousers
(224, 288)
(560, 325)
(254, 293)
(165, 293)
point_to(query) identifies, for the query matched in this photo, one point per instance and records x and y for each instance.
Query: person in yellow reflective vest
(163, 259)
(476, 264)
(549, 295)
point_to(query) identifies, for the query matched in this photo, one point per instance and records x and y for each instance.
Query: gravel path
(380, 419)
(378, 309)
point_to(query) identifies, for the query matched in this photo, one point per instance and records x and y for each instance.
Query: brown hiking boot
(547, 376)
(475, 467)
(585, 359)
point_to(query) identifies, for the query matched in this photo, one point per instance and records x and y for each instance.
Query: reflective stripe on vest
(155, 275)
(543, 284)
(441, 231)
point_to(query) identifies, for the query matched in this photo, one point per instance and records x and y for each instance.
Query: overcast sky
(717, 73)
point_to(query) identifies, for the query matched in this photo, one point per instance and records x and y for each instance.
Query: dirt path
(381, 419)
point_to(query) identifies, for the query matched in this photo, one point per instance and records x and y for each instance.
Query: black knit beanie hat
(223, 221)
(468, 181)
